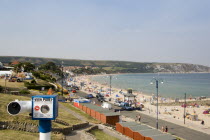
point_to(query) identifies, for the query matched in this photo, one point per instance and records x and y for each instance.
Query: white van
(106, 105)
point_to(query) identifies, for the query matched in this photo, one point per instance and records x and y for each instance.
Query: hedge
(39, 87)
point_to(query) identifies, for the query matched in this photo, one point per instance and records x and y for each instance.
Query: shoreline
(148, 92)
(138, 93)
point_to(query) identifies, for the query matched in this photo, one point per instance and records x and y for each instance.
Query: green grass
(4, 116)
(67, 117)
(88, 117)
(42, 82)
(17, 135)
(100, 135)
(13, 85)
(21, 135)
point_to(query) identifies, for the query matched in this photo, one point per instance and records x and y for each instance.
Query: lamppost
(157, 80)
(62, 77)
(110, 76)
(5, 83)
(184, 107)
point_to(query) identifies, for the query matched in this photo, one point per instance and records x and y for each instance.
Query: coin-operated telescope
(42, 107)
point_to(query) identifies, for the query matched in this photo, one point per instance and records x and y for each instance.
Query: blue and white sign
(44, 107)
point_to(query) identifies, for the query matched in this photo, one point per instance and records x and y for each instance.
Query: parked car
(99, 96)
(89, 96)
(101, 99)
(117, 103)
(125, 106)
(74, 91)
(106, 105)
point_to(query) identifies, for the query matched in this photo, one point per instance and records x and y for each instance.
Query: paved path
(83, 119)
(180, 131)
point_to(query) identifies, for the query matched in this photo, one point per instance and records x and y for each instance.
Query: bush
(24, 91)
(1, 88)
(39, 87)
(33, 81)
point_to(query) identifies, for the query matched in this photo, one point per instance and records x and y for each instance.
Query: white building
(6, 73)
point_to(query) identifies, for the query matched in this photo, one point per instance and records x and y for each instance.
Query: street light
(62, 77)
(5, 83)
(110, 81)
(184, 107)
(110, 76)
(157, 80)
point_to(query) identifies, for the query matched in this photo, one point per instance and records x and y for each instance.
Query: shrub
(24, 91)
(1, 88)
(39, 87)
(33, 81)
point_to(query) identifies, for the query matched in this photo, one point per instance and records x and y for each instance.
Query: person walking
(166, 129)
(163, 130)
(138, 118)
(202, 122)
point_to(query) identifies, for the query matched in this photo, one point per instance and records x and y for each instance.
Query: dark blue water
(174, 85)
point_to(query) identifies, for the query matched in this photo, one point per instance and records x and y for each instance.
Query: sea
(169, 85)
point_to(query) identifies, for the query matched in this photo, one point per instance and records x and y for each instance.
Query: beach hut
(137, 131)
(161, 137)
(129, 129)
(104, 115)
(128, 97)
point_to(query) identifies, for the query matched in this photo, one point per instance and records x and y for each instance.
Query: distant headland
(112, 66)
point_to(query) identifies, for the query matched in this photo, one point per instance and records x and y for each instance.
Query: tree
(51, 66)
(26, 67)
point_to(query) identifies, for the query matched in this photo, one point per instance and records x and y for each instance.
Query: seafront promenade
(189, 131)
(192, 130)
(174, 128)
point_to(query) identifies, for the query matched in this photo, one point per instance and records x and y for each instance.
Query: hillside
(113, 66)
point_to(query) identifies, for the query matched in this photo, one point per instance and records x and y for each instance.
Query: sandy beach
(168, 109)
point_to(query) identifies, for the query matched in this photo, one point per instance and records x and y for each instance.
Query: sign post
(44, 109)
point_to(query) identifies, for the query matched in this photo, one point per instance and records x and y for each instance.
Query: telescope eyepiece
(14, 108)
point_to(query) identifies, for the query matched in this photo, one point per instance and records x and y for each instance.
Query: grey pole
(157, 104)
(5, 83)
(62, 77)
(184, 107)
(110, 84)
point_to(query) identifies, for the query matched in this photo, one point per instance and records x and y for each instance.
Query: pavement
(174, 129)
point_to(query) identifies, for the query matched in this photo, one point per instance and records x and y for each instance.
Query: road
(180, 131)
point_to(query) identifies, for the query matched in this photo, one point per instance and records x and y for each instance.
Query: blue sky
(130, 30)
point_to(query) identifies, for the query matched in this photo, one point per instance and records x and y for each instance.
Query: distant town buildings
(15, 62)
(70, 68)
